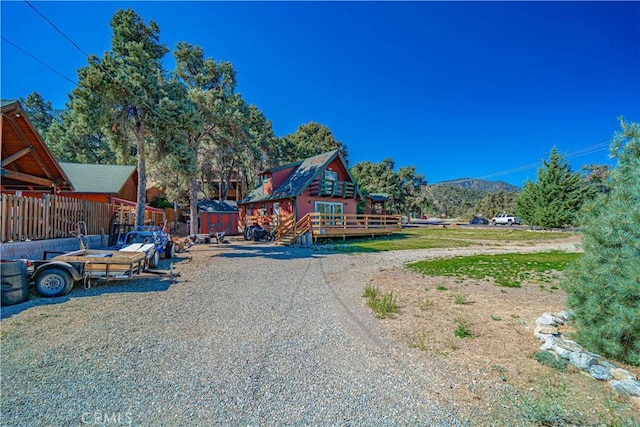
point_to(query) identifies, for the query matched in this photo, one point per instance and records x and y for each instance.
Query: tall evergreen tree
(603, 286)
(126, 95)
(40, 113)
(72, 140)
(209, 84)
(555, 198)
(309, 140)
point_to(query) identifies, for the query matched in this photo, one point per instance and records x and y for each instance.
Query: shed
(375, 203)
(102, 183)
(218, 215)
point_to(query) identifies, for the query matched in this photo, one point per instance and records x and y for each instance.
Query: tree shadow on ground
(267, 250)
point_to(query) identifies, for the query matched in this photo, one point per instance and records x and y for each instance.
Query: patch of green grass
(382, 306)
(370, 292)
(549, 404)
(460, 298)
(508, 270)
(551, 360)
(462, 330)
(396, 243)
(419, 340)
(433, 238)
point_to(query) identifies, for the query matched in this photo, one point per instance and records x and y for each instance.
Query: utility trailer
(56, 277)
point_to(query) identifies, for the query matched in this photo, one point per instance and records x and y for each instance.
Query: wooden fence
(30, 218)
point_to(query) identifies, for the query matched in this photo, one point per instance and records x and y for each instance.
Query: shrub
(551, 360)
(555, 198)
(603, 286)
(382, 306)
(460, 298)
(462, 330)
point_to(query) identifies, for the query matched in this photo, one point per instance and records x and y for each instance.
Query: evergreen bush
(555, 198)
(603, 286)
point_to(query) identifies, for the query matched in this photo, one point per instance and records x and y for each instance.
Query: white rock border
(622, 381)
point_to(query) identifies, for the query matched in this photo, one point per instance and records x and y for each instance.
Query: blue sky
(457, 89)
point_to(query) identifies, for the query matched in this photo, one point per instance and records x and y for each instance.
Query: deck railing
(32, 218)
(330, 188)
(328, 225)
(320, 221)
(265, 221)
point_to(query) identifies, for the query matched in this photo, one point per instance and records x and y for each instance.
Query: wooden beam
(19, 176)
(15, 156)
(27, 143)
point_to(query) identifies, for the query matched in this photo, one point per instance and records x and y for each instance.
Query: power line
(57, 29)
(577, 153)
(96, 63)
(602, 146)
(38, 60)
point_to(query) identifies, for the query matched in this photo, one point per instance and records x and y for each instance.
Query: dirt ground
(494, 377)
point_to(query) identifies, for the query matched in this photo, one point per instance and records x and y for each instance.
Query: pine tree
(127, 96)
(555, 199)
(40, 112)
(603, 286)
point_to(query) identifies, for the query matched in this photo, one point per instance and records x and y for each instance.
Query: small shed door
(216, 222)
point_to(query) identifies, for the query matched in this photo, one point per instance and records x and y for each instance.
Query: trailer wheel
(170, 250)
(54, 282)
(154, 260)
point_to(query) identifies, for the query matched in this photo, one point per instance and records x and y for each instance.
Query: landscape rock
(626, 387)
(583, 360)
(609, 366)
(541, 337)
(568, 345)
(547, 319)
(549, 343)
(546, 330)
(599, 372)
(622, 381)
(563, 315)
(562, 352)
(622, 374)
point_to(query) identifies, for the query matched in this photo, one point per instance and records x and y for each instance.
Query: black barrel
(13, 277)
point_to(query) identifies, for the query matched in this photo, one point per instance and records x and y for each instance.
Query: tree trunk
(142, 176)
(193, 205)
(224, 189)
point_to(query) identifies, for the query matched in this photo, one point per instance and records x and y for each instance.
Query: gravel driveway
(251, 334)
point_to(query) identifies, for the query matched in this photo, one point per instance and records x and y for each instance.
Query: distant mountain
(480, 184)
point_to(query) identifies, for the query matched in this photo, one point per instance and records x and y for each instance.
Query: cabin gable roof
(300, 178)
(27, 163)
(93, 178)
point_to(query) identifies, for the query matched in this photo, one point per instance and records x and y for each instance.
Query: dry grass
(495, 379)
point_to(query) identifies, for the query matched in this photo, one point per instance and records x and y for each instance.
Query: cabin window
(331, 175)
(330, 213)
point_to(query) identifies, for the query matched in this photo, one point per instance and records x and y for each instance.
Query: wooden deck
(323, 226)
(332, 226)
